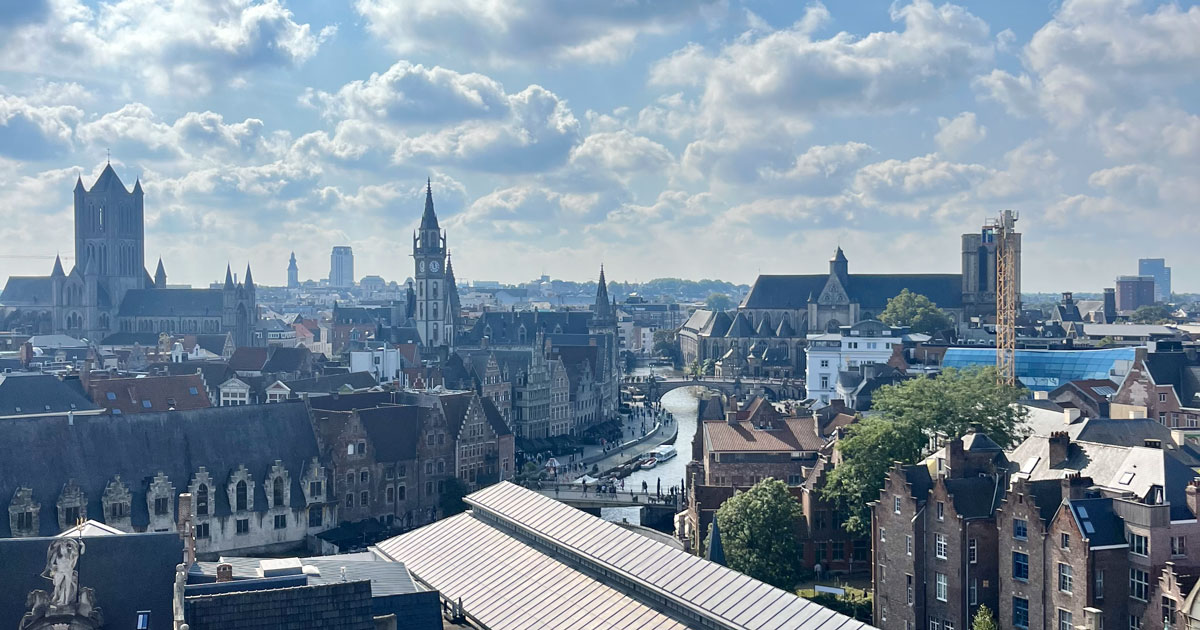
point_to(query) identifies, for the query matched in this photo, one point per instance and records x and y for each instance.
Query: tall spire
(160, 276)
(249, 282)
(58, 268)
(228, 278)
(429, 218)
(602, 311)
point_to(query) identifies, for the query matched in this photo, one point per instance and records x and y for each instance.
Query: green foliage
(908, 415)
(915, 311)
(451, 500)
(709, 367)
(984, 620)
(758, 532)
(695, 369)
(853, 604)
(666, 344)
(1106, 342)
(1152, 314)
(718, 302)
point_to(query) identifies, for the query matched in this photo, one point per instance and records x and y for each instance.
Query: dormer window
(202, 500)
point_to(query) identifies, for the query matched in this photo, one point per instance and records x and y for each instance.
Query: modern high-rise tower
(341, 267)
(1158, 268)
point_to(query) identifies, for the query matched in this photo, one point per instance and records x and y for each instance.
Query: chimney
(185, 520)
(1074, 486)
(731, 415)
(224, 572)
(1193, 496)
(1041, 395)
(85, 377)
(956, 458)
(1070, 414)
(1059, 444)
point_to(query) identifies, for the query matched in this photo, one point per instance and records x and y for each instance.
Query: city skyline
(704, 139)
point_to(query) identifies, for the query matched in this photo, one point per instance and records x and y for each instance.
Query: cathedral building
(109, 290)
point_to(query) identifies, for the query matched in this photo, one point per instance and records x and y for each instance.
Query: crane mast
(1003, 231)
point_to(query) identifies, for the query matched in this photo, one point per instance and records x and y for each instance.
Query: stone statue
(177, 599)
(61, 557)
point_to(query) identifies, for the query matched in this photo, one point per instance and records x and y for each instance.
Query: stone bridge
(775, 389)
(575, 496)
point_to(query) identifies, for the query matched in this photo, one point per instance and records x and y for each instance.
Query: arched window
(241, 495)
(202, 500)
(435, 332)
(435, 290)
(435, 310)
(277, 492)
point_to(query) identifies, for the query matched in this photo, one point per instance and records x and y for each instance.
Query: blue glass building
(1045, 370)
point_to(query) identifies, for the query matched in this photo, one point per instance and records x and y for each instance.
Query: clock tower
(433, 315)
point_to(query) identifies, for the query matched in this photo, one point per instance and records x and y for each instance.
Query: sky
(688, 138)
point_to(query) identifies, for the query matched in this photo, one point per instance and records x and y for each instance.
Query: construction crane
(1002, 231)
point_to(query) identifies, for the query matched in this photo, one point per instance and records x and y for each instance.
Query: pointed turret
(108, 179)
(79, 184)
(249, 283)
(429, 218)
(89, 266)
(58, 268)
(839, 266)
(228, 278)
(137, 187)
(602, 311)
(160, 276)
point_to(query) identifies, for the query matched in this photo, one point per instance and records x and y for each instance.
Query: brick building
(1164, 383)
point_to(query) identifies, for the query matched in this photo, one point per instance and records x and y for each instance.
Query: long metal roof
(522, 560)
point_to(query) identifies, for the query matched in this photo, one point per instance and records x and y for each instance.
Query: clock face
(434, 266)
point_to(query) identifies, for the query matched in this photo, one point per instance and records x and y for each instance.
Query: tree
(983, 619)
(710, 366)
(907, 416)
(1152, 314)
(451, 500)
(718, 302)
(666, 344)
(915, 311)
(758, 532)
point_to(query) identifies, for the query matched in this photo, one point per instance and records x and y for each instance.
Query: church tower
(293, 273)
(434, 317)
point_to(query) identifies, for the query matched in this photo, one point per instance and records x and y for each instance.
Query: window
(1020, 529)
(240, 496)
(1178, 545)
(364, 498)
(939, 546)
(143, 620)
(162, 506)
(1139, 544)
(824, 381)
(908, 545)
(315, 516)
(972, 550)
(941, 585)
(360, 448)
(825, 363)
(364, 476)
(201, 531)
(281, 521)
(1064, 541)
(896, 504)
(973, 592)
(402, 471)
(193, 391)
(1065, 577)
(1020, 612)
(947, 624)
(1135, 622)
(400, 493)
(1162, 398)
(428, 488)
(1020, 568)
(941, 511)
(111, 395)
(389, 473)
(314, 489)
(429, 468)
(1064, 620)
(349, 449)
(1168, 612)
(277, 492)
(882, 535)
(349, 479)
(1099, 583)
(349, 499)
(146, 404)
(1139, 584)
(243, 526)
(908, 581)
(934, 624)
(25, 521)
(202, 500)
(391, 494)
(839, 551)
(441, 466)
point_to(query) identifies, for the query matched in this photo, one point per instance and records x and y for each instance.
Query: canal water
(684, 403)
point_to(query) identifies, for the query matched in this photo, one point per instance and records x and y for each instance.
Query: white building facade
(847, 350)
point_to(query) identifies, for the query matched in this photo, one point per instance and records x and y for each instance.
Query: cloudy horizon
(692, 138)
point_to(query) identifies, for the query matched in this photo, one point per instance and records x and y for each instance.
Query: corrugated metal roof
(497, 559)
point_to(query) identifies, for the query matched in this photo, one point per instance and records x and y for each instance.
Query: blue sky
(693, 138)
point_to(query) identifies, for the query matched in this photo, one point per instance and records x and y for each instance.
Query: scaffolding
(1003, 232)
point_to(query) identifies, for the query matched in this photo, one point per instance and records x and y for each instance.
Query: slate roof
(791, 434)
(248, 359)
(212, 343)
(394, 430)
(171, 302)
(332, 383)
(41, 393)
(740, 326)
(494, 417)
(976, 441)
(917, 476)
(348, 402)
(871, 291)
(28, 291)
(287, 359)
(336, 606)
(785, 329)
(698, 319)
(506, 326)
(151, 393)
(1175, 369)
(45, 453)
(455, 407)
(976, 497)
(214, 372)
(718, 325)
(144, 339)
(1098, 521)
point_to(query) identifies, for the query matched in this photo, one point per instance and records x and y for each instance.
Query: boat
(664, 452)
(649, 463)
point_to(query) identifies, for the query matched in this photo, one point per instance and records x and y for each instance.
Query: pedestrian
(645, 488)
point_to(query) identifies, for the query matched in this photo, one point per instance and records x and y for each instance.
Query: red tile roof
(151, 393)
(789, 434)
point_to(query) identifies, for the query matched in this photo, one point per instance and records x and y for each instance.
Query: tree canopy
(915, 311)
(1152, 314)
(718, 302)
(451, 500)
(983, 619)
(908, 415)
(758, 532)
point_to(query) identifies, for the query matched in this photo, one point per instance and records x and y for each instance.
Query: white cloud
(31, 129)
(621, 152)
(408, 94)
(168, 45)
(507, 31)
(1154, 132)
(919, 177)
(1136, 182)
(960, 133)
(1015, 93)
